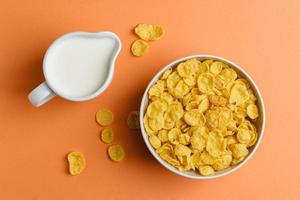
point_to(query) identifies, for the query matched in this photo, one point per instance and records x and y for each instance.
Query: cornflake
(139, 48)
(116, 152)
(104, 117)
(133, 120)
(149, 32)
(76, 162)
(107, 135)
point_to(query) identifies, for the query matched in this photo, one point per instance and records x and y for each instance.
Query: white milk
(78, 66)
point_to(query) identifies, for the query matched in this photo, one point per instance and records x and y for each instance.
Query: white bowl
(260, 123)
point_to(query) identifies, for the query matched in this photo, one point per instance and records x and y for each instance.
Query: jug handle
(41, 94)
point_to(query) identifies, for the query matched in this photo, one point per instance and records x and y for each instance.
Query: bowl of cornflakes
(202, 117)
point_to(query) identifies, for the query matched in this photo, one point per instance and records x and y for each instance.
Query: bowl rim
(167, 165)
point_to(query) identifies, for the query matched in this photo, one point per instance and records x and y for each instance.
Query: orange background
(261, 36)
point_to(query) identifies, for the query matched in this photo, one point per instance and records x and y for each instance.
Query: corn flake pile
(201, 116)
